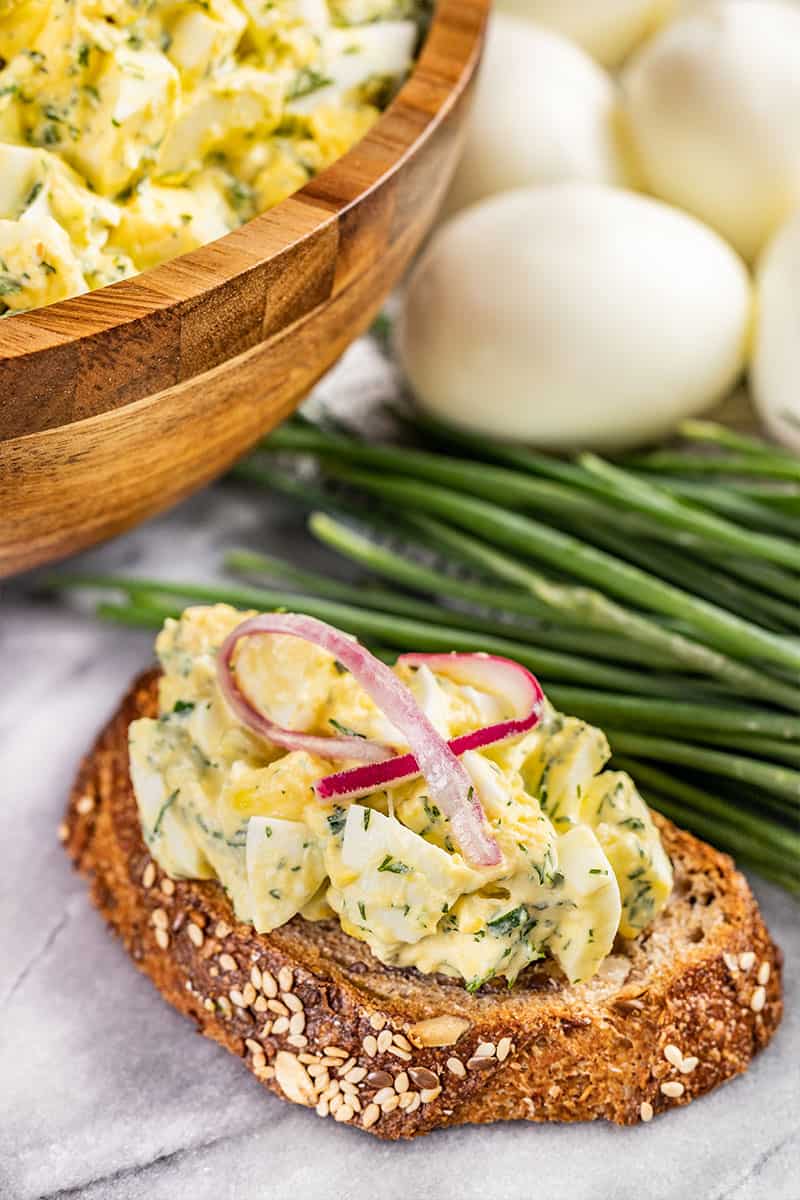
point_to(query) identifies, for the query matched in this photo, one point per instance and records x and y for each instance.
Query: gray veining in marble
(107, 1094)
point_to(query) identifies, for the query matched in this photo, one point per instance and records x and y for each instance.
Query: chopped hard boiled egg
(163, 126)
(580, 858)
(161, 222)
(625, 830)
(284, 869)
(587, 925)
(389, 883)
(166, 826)
(137, 102)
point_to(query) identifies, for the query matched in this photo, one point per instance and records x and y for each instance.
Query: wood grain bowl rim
(442, 71)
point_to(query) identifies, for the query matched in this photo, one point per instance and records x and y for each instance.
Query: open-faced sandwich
(411, 896)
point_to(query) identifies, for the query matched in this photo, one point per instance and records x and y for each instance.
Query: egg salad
(132, 131)
(581, 861)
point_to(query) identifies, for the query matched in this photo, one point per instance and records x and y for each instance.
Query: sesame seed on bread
(322, 1023)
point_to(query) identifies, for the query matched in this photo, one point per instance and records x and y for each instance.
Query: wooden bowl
(117, 404)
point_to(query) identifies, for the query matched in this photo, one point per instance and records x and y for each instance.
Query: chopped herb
(47, 267)
(336, 821)
(307, 81)
(431, 810)
(366, 817)
(394, 866)
(167, 804)
(240, 195)
(268, 831)
(182, 706)
(598, 871)
(478, 981)
(274, 893)
(632, 823)
(503, 925)
(32, 194)
(345, 729)
(362, 910)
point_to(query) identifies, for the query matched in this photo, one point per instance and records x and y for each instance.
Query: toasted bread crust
(706, 980)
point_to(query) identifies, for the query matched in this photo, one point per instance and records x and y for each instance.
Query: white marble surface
(107, 1094)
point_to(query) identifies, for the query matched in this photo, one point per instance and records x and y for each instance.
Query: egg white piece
(355, 55)
(606, 29)
(398, 882)
(712, 103)
(585, 933)
(574, 316)
(544, 111)
(775, 368)
(284, 870)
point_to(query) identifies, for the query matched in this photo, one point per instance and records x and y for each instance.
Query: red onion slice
(502, 676)
(351, 747)
(449, 783)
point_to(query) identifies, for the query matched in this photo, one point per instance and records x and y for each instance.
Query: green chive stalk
(604, 707)
(742, 466)
(712, 434)
(772, 848)
(703, 579)
(730, 504)
(547, 635)
(777, 780)
(591, 607)
(653, 501)
(392, 630)
(537, 540)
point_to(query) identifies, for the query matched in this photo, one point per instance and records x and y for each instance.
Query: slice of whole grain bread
(322, 1023)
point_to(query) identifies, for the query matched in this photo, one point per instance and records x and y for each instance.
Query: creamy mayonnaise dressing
(135, 130)
(581, 858)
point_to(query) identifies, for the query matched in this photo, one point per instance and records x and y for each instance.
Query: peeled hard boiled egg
(543, 111)
(713, 104)
(607, 29)
(573, 315)
(775, 369)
